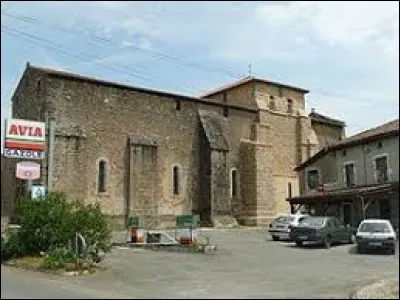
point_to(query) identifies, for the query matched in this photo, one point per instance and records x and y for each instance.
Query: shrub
(58, 258)
(52, 222)
(44, 223)
(92, 225)
(2, 248)
(12, 246)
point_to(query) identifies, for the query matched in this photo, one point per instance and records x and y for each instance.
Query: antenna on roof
(249, 66)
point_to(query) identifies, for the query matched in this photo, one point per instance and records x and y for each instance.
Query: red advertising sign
(25, 135)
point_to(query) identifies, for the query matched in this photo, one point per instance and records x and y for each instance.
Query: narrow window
(271, 103)
(225, 98)
(379, 145)
(178, 105)
(312, 179)
(38, 85)
(176, 180)
(225, 111)
(349, 177)
(234, 182)
(102, 176)
(289, 190)
(344, 153)
(381, 169)
(289, 106)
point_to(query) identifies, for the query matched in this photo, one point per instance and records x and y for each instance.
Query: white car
(280, 227)
(376, 234)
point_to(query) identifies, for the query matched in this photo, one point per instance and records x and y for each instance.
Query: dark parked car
(325, 230)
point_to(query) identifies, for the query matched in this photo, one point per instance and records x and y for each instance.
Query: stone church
(229, 154)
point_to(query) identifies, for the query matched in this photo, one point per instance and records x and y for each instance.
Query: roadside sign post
(37, 192)
(26, 139)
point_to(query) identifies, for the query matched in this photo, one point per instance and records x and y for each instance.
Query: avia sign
(25, 135)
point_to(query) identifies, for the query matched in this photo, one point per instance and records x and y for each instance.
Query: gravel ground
(387, 288)
(246, 265)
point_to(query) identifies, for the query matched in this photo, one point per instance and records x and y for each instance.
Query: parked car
(280, 227)
(324, 230)
(376, 234)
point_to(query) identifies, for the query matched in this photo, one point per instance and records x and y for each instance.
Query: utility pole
(51, 155)
(50, 125)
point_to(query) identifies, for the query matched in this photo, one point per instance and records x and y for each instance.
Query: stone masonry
(167, 154)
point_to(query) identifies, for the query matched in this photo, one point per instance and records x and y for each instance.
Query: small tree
(90, 222)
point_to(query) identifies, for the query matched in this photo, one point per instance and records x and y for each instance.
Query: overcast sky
(345, 53)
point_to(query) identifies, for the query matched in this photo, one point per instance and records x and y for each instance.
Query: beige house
(355, 178)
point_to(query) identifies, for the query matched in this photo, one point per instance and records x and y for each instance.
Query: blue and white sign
(37, 191)
(31, 154)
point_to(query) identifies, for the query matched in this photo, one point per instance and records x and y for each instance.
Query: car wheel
(299, 243)
(327, 242)
(352, 239)
(275, 238)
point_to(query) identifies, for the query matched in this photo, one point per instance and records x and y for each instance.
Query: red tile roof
(385, 130)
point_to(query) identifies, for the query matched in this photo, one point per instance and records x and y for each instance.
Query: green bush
(91, 224)
(58, 258)
(52, 223)
(12, 246)
(2, 248)
(45, 223)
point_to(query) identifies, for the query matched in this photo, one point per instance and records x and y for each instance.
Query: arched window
(102, 179)
(271, 104)
(178, 105)
(289, 190)
(234, 183)
(175, 179)
(226, 111)
(289, 106)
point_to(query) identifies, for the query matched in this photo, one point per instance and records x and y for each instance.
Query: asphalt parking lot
(247, 264)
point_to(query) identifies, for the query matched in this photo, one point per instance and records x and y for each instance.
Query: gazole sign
(25, 139)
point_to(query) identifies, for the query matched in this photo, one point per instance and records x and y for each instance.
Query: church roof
(77, 77)
(316, 117)
(248, 79)
(215, 129)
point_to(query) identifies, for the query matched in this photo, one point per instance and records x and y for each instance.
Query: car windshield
(313, 222)
(285, 219)
(375, 227)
